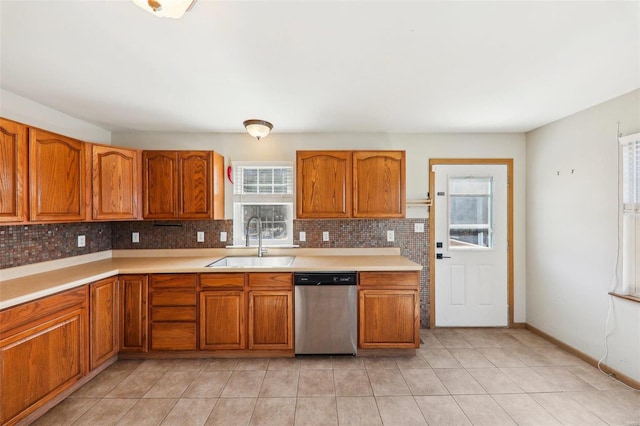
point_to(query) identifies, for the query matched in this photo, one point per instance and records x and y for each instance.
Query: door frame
(432, 225)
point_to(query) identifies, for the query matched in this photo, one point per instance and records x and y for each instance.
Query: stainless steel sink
(253, 262)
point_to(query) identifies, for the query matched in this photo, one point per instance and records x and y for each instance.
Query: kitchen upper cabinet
(222, 312)
(116, 181)
(183, 185)
(379, 184)
(103, 320)
(173, 312)
(13, 172)
(342, 184)
(43, 351)
(388, 310)
(270, 311)
(57, 178)
(133, 313)
(323, 184)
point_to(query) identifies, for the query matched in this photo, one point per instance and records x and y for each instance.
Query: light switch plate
(303, 236)
(81, 241)
(418, 227)
(325, 236)
(223, 236)
(135, 237)
(391, 235)
(200, 236)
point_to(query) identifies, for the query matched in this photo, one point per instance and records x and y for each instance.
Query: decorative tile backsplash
(26, 244)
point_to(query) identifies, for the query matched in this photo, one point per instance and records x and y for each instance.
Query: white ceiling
(321, 66)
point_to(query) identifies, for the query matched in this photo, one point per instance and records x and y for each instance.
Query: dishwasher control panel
(325, 278)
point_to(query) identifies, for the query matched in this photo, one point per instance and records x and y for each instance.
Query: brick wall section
(25, 244)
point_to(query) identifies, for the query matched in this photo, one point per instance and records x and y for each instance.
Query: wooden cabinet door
(222, 322)
(57, 177)
(195, 177)
(271, 319)
(159, 184)
(43, 351)
(218, 186)
(116, 183)
(379, 184)
(13, 172)
(323, 184)
(389, 319)
(103, 325)
(133, 313)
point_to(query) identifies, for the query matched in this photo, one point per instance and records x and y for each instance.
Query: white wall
(572, 232)
(419, 147)
(25, 111)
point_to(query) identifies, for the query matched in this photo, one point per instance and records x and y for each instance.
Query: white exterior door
(471, 245)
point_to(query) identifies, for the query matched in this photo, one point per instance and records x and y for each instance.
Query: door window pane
(470, 213)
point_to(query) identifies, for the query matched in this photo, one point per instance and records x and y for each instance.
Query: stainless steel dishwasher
(326, 313)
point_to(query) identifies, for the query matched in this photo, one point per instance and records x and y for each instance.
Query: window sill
(627, 297)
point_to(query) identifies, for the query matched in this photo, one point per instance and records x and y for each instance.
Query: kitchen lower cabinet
(388, 310)
(222, 324)
(43, 351)
(133, 313)
(103, 324)
(270, 311)
(173, 304)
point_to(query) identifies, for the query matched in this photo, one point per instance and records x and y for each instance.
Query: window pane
(250, 176)
(266, 176)
(275, 222)
(470, 212)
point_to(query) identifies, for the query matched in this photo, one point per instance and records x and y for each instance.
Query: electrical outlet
(200, 237)
(81, 241)
(303, 236)
(418, 227)
(223, 236)
(391, 236)
(325, 236)
(135, 237)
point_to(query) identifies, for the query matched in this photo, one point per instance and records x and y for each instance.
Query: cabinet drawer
(173, 298)
(209, 281)
(173, 336)
(173, 281)
(173, 313)
(389, 279)
(279, 280)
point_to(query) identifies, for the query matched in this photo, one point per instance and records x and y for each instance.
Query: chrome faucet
(261, 250)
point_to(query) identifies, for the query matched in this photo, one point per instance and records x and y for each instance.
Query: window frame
(629, 211)
(242, 199)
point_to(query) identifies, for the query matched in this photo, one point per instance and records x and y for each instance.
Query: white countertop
(23, 284)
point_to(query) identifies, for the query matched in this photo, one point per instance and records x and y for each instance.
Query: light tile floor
(459, 377)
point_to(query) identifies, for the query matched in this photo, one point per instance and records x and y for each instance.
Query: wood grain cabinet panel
(183, 185)
(133, 313)
(57, 178)
(103, 325)
(222, 320)
(13, 172)
(160, 184)
(323, 184)
(270, 319)
(42, 357)
(389, 310)
(173, 312)
(116, 183)
(379, 184)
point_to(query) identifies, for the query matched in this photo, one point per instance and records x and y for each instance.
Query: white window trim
(630, 228)
(240, 199)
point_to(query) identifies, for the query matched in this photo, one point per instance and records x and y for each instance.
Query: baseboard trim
(586, 358)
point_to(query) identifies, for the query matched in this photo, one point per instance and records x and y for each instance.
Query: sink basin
(253, 262)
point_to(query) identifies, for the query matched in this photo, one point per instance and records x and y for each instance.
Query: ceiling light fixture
(258, 128)
(166, 8)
